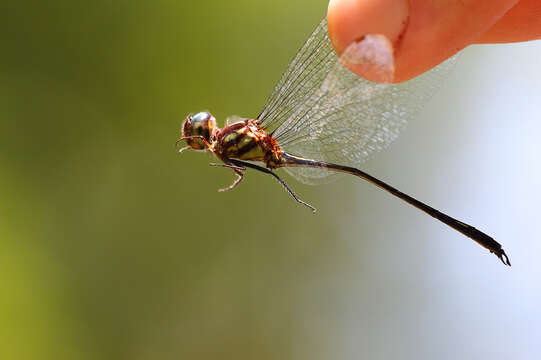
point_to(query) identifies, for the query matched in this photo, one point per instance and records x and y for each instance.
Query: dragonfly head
(203, 125)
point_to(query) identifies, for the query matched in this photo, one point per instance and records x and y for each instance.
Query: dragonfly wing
(320, 110)
(303, 76)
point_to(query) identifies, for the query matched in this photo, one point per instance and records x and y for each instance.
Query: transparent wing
(303, 77)
(320, 110)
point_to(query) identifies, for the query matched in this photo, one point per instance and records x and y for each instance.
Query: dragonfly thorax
(246, 140)
(200, 129)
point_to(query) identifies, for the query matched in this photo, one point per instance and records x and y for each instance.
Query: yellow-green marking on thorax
(243, 144)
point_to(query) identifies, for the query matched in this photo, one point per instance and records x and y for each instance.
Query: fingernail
(371, 57)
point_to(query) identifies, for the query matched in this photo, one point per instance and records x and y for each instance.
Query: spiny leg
(229, 166)
(240, 176)
(292, 193)
(199, 137)
(184, 149)
(267, 171)
(239, 170)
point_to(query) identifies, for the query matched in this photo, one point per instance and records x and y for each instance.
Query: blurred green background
(114, 247)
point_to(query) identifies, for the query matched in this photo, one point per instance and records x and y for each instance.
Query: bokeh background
(114, 247)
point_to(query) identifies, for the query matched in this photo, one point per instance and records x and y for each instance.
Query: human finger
(396, 40)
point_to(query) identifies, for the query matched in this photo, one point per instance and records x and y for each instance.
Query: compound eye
(201, 117)
(202, 124)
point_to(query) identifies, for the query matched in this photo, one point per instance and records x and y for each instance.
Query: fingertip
(369, 30)
(423, 33)
(371, 57)
(349, 20)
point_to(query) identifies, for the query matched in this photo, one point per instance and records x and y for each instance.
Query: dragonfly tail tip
(503, 257)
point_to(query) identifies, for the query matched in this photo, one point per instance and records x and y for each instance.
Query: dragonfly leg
(272, 173)
(184, 138)
(184, 149)
(229, 166)
(239, 170)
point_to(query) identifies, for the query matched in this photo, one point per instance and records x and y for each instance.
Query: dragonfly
(321, 121)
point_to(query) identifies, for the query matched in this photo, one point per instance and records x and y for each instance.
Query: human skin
(409, 37)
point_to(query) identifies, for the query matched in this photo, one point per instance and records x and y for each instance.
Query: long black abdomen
(478, 236)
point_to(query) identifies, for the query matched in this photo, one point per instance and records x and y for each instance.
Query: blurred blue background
(114, 247)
